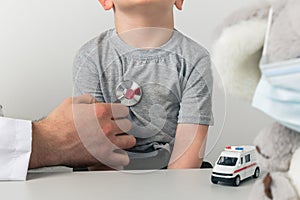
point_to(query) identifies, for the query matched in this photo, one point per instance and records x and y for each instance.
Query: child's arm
(195, 116)
(86, 78)
(189, 146)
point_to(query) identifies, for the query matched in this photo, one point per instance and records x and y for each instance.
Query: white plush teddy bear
(237, 54)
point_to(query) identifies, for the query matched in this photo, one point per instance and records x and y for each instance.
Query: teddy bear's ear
(236, 55)
(238, 49)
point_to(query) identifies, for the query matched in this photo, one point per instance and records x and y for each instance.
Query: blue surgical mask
(281, 103)
(278, 92)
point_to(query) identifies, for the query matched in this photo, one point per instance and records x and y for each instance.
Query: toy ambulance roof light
(234, 148)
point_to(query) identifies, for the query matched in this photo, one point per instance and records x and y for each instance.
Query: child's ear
(106, 4)
(178, 4)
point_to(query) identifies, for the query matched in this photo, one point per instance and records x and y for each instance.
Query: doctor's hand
(81, 132)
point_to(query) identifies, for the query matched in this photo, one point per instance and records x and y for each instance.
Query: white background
(39, 39)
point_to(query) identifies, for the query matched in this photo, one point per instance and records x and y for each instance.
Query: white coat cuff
(15, 148)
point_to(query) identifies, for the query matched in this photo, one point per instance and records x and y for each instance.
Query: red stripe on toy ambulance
(252, 165)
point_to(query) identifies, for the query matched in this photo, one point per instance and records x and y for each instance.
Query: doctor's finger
(118, 158)
(124, 141)
(84, 99)
(110, 128)
(124, 125)
(119, 111)
(111, 111)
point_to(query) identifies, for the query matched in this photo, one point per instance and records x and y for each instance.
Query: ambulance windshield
(227, 161)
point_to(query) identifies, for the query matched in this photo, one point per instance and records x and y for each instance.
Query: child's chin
(159, 3)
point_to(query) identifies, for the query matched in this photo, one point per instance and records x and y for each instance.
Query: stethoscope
(129, 93)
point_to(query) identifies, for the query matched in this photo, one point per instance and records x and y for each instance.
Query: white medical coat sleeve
(15, 148)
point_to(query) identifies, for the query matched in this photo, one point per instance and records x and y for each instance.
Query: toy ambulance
(236, 163)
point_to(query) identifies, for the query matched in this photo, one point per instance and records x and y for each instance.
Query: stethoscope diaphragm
(129, 93)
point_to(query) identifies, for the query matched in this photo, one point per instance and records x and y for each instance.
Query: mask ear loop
(265, 57)
(272, 69)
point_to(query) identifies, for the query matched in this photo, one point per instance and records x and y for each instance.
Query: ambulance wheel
(237, 181)
(213, 180)
(256, 173)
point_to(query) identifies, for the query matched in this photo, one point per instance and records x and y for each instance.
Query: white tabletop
(156, 185)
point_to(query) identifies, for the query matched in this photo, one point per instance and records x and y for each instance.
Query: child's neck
(144, 30)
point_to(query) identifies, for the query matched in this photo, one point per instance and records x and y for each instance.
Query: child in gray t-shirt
(171, 120)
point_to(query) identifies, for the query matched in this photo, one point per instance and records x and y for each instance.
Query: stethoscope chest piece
(129, 93)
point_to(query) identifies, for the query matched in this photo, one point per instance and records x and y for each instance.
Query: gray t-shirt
(176, 82)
